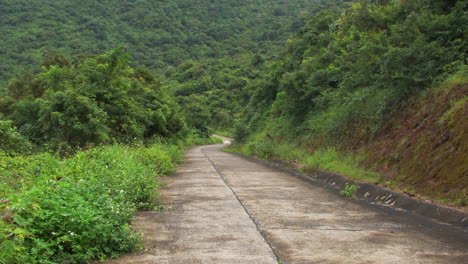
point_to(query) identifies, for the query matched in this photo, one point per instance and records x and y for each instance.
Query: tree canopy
(98, 100)
(158, 34)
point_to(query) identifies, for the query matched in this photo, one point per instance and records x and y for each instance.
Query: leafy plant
(79, 209)
(12, 142)
(241, 132)
(263, 149)
(96, 101)
(349, 190)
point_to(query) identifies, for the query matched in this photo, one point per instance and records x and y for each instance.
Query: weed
(349, 190)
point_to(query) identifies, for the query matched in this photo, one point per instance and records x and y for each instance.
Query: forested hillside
(344, 82)
(99, 98)
(157, 34)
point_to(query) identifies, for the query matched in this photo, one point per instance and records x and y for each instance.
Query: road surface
(221, 208)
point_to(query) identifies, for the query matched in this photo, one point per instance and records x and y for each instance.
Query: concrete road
(221, 208)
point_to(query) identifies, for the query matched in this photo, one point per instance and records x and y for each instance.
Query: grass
(455, 106)
(348, 165)
(323, 159)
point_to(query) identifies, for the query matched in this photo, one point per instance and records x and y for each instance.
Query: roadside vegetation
(82, 147)
(372, 89)
(309, 161)
(368, 93)
(80, 208)
(208, 55)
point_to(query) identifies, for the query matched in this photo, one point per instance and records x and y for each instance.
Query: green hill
(156, 33)
(97, 96)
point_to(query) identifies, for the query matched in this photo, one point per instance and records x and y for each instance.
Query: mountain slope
(354, 85)
(424, 146)
(155, 33)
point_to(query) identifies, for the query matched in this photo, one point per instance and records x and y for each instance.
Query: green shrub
(196, 138)
(78, 209)
(12, 142)
(241, 132)
(262, 149)
(96, 101)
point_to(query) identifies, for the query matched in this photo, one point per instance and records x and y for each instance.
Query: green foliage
(12, 142)
(78, 209)
(241, 132)
(349, 190)
(157, 33)
(96, 101)
(331, 160)
(262, 149)
(194, 138)
(343, 76)
(212, 54)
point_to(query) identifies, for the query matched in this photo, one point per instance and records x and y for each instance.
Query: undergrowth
(79, 209)
(331, 160)
(420, 148)
(328, 159)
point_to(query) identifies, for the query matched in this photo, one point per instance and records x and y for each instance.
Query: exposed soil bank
(424, 147)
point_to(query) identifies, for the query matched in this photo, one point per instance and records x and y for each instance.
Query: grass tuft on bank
(327, 159)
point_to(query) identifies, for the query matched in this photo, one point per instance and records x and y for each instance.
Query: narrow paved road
(224, 209)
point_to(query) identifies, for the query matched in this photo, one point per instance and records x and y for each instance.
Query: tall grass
(328, 159)
(331, 160)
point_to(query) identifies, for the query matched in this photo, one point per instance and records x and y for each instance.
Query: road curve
(221, 208)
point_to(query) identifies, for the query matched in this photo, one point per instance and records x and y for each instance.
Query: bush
(78, 209)
(262, 149)
(241, 132)
(12, 142)
(196, 138)
(97, 101)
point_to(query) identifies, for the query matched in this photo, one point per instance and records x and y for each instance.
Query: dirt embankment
(424, 148)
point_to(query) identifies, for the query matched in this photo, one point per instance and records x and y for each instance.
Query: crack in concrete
(257, 225)
(331, 229)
